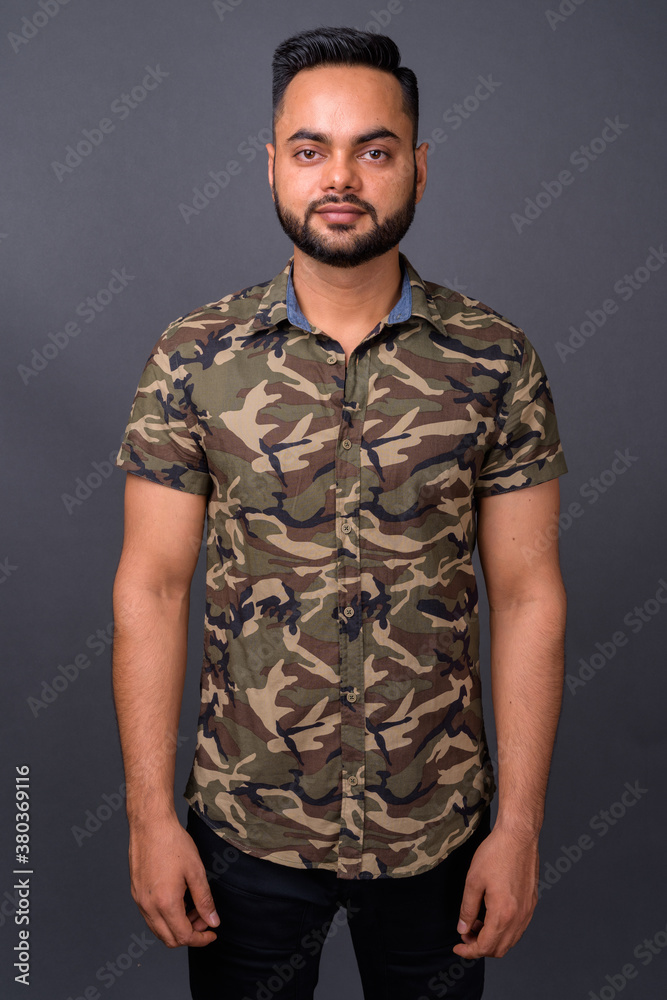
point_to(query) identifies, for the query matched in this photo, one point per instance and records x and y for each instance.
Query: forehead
(344, 99)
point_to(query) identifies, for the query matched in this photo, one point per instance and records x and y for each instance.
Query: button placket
(353, 722)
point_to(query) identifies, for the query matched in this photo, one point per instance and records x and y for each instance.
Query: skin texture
(152, 586)
(384, 176)
(151, 598)
(527, 622)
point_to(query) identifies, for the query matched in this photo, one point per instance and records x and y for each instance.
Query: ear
(421, 152)
(272, 155)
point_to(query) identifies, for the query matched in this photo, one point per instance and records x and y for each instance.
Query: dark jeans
(274, 919)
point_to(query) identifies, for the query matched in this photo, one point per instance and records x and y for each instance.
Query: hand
(504, 872)
(164, 862)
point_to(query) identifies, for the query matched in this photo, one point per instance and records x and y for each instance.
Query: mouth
(339, 213)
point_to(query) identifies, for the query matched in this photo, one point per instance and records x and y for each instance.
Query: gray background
(62, 235)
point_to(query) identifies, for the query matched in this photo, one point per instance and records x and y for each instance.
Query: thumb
(470, 905)
(201, 896)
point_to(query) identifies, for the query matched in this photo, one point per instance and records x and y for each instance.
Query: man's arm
(518, 547)
(151, 598)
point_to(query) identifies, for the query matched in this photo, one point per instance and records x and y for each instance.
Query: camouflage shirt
(341, 718)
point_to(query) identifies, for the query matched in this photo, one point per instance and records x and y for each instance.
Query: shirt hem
(327, 866)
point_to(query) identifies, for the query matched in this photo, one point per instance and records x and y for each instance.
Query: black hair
(347, 47)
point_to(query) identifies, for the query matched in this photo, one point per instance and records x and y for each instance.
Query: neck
(347, 299)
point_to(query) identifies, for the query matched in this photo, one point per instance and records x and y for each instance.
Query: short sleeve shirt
(341, 720)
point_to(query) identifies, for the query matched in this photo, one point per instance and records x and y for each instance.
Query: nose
(340, 173)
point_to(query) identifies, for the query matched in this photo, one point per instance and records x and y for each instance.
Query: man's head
(345, 130)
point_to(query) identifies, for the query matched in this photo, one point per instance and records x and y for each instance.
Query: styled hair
(329, 46)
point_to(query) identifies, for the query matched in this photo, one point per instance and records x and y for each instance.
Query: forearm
(527, 641)
(149, 663)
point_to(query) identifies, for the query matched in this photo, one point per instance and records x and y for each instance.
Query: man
(351, 431)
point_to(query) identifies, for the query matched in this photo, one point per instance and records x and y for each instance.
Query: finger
(199, 939)
(493, 941)
(202, 899)
(156, 913)
(469, 940)
(474, 930)
(186, 935)
(471, 902)
(475, 946)
(158, 928)
(170, 933)
(198, 923)
(179, 929)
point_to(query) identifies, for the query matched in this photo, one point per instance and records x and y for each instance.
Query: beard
(329, 248)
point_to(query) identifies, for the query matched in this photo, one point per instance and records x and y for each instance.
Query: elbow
(134, 597)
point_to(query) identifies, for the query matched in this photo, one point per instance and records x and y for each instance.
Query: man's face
(345, 141)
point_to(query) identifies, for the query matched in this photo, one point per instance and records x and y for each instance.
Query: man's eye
(305, 154)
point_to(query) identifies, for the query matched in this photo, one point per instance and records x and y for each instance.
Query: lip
(340, 213)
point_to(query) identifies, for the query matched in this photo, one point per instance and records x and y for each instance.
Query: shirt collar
(279, 303)
(401, 311)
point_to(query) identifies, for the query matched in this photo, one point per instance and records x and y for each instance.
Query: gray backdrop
(543, 200)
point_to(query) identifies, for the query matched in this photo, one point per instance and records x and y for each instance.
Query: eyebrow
(356, 140)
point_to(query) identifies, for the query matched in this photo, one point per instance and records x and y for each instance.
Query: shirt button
(348, 612)
(352, 778)
(332, 359)
(347, 444)
(347, 528)
(351, 695)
